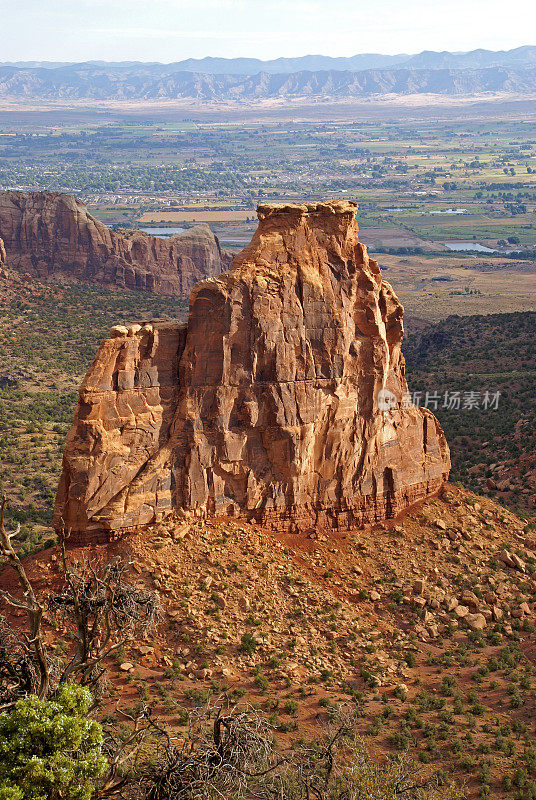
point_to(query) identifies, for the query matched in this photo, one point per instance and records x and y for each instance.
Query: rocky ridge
(142, 82)
(52, 236)
(282, 400)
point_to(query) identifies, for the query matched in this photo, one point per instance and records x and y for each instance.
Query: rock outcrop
(51, 235)
(283, 399)
(2, 254)
(448, 74)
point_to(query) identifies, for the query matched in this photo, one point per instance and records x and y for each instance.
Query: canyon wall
(52, 235)
(283, 399)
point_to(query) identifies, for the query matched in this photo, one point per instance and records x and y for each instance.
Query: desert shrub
(262, 683)
(291, 707)
(50, 749)
(409, 658)
(248, 644)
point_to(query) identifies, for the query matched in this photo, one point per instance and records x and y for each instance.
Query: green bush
(50, 749)
(262, 683)
(248, 644)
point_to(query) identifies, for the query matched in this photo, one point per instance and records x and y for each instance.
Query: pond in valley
(163, 233)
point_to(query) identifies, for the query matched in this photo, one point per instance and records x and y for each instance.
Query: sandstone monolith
(283, 400)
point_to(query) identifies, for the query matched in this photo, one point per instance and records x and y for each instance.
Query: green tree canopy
(50, 749)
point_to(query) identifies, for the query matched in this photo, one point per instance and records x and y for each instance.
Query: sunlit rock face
(281, 401)
(53, 236)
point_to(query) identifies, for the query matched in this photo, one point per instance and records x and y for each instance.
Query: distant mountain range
(244, 80)
(428, 59)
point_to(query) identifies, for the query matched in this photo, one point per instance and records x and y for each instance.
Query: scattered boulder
(418, 586)
(477, 622)
(470, 599)
(452, 603)
(519, 564)
(506, 557)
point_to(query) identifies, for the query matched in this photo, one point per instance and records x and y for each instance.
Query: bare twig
(34, 609)
(105, 610)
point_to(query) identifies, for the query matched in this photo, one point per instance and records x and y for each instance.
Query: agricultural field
(432, 287)
(193, 216)
(421, 180)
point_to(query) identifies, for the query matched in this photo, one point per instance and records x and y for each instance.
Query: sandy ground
(373, 108)
(504, 286)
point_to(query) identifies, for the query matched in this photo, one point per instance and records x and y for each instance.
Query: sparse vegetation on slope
(492, 450)
(53, 748)
(48, 337)
(426, 627)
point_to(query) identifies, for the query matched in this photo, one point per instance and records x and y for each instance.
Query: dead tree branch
(39, 678)
(105, 612)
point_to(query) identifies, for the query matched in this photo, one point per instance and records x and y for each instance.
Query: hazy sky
(171, 30)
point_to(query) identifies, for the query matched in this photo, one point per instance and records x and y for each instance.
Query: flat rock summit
(53, 236)
(281, 401)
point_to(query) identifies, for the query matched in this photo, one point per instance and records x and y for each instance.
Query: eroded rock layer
(51, 235)
(282, 400)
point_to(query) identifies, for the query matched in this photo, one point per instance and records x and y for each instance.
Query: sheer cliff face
(281, 400)
(52, 235)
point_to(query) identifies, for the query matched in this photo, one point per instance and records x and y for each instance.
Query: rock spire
(283, 399)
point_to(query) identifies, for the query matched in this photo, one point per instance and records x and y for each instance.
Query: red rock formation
(47, 234)
(287, 405)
